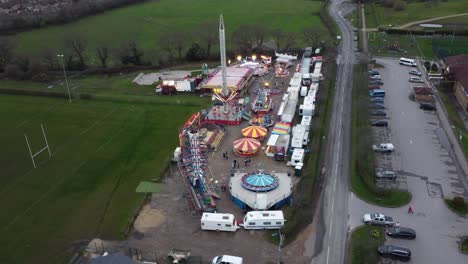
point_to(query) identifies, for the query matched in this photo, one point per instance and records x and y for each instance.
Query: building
(238, 78)
(423, 94)
(457, 70)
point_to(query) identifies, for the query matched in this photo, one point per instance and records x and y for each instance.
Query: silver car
(415, 79)
(385, 174)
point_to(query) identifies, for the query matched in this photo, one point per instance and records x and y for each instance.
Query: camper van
(306, 79)
(264, 220)
(408, 62)
(218, 222)
(306, 109)
(297, 157)
(303, 91)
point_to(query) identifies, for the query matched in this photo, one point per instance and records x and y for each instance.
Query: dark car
(374, 72)
(377, 100)
(401, 232)
(376, 82)
(427, 106)
(379, 123)
(377, 106)
(396, 252)
(378, 113)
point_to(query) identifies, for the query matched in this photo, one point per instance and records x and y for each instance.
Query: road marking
(328, 253)
(403, 113)
(411, 141)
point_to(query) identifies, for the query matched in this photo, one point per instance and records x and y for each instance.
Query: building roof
(458, 67)
(421, 90)
(237, 77)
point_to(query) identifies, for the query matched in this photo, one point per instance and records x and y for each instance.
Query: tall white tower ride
(222, 50)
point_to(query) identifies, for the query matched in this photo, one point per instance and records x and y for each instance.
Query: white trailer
(184, 86)
(227, 259)
(297, 157)
(218, 222)
(289, 110)
(298, 133)
(307, 109)
(304, 91)
(264, 220)
(306, 122)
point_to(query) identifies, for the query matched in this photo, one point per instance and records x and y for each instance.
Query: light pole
(65, 75)
(281, 237)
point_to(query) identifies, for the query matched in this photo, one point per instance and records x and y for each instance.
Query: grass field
(364, 242)
(464, 245)
(101, 150)
(145, 22)
(417, 11)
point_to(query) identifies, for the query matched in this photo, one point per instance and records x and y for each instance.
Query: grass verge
(464, 245)
(362, 161)
(364, 242)
(461, 209)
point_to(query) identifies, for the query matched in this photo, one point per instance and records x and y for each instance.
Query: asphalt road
(426, 167)
(331, 223)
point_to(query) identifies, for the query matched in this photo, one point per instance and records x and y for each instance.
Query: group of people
(225, 155)
(236, 164)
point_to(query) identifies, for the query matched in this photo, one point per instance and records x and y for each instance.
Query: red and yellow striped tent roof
(246, 144)
(254, 132)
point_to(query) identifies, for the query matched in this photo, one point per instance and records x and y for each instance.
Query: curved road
(332, 214)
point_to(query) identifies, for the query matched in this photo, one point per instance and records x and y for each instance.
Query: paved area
(327, 243)
(424, 162)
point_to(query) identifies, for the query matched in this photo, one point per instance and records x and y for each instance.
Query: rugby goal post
(40, 151)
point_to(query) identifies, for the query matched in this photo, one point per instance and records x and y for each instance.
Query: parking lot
(425, 167)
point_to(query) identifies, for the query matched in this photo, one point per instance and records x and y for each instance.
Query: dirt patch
(149, 218)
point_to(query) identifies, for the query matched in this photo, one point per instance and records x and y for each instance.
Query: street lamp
(281, 237)
(254, 57)
(239, 58)
(65, 75)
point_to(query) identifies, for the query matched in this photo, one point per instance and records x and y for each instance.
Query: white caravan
(227, 259)
(297, 157)
(264, 220)
(218, 222)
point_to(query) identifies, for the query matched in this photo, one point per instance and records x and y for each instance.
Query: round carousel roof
(259, 181)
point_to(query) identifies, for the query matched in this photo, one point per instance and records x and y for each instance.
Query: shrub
(399, 5)
(458, 201)
(434, 67)
(427, 65)
(388, 3)
(14, 71)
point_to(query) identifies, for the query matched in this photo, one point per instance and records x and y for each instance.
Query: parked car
(377, 219)
(397, 252)
(376, 82)
(379, 123)
(383, 147)
(374, 72)
(385, 174)
(401, 232)
(377, 100)
(227, 259)
(375, 77)
(377, 106)
(378, 113)
(355, 38)
(427, 106)
(415, 72)
(415, 79)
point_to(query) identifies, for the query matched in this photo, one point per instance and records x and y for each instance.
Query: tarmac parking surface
(424, 162)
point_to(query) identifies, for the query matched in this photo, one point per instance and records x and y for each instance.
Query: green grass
(452, 23)
(464, 245)
(415, 11)
(364, 242)
(101, 150)
(463, 210)
(371, 19)
(362, 157)
(144, 23)
(379, 43)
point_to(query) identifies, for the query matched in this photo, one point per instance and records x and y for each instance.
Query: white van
(227, 259)
(219, 222)
(264, 220)
(408, 62)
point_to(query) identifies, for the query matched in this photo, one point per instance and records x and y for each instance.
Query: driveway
(425, 164)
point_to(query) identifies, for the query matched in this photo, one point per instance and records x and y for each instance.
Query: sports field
(101, 150)
(414, 11)
(144, 23)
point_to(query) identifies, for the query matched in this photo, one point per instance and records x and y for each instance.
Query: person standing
(410, 210)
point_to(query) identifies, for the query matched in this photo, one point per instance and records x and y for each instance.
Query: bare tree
(180, 42)
(77, 44)
(103, 54)
(166, 44)
(290, 40)
(207, 33)
(315, 37)
(278, 37)
(260, 32)
(7, 46)
(130, 53)
(243, 38)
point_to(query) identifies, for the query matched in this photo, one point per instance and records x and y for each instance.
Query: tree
(207, 33)
(166, 44)
(243, 38)
(78, 45)
(434, 67)
(278, 37)
(14, 71)
(290, 40)
(7, 46)
(260, 32)
(180, 40)
(103, 54)
(195, 53)
(130, 53)
(399, 5)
